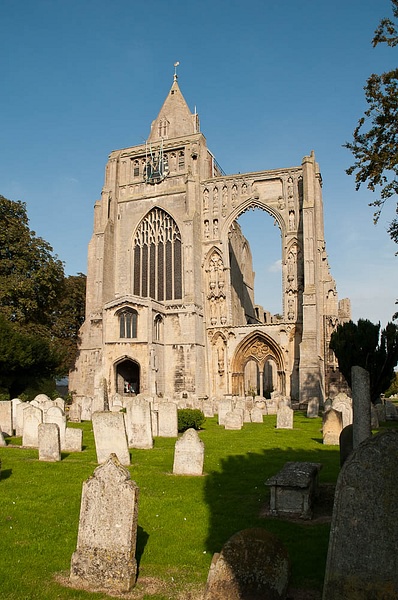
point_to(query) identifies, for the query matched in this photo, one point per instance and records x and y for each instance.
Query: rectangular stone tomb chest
(294, 488)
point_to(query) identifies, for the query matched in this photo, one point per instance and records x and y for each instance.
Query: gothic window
(181, 160)
(136, 168)
(157, 328)
(128, 323)
(157, 259)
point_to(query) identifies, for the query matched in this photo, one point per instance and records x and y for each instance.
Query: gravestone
(110, 436)
(246, 416)
(75, 413)
(224, 406)
(233, 420)
(49, 442)
(271, 406)
(60, 402)
(2, 439)
(343, 404)
(374, 417)
(138, 423)
(256, 415)
(73, 440)
(381, 412)
(284, 417)
(19, 417)
(189, 454)
(6, 417)
(154, 421)
(208, 408)
(41, 398)
(32, 417)
(346, 443)
(87, 412)
(391, 411)
(313, 408)
(56, 415)
(253, 564)
(332, 427)
(360, 386)
(106, 542)
(14, 403)
(167, 419)
(362, 554)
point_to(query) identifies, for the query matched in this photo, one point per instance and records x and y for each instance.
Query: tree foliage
(35, 299)
(364, 346)
(25, 359)
(375, 139)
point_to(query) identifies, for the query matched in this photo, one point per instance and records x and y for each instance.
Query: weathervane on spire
(175, 70)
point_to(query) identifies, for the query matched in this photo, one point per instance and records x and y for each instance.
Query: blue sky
(271, 81)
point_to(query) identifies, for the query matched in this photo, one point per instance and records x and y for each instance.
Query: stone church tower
(170, 306)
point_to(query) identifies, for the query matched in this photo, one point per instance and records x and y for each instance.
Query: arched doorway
(127, 373)
(258, 366)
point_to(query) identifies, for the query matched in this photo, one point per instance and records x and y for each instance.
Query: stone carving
(106, 543)
(361, 560)
(252, 564)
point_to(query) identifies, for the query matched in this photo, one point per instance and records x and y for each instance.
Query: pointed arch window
(157, 257)
(128, 323)
(157, 328)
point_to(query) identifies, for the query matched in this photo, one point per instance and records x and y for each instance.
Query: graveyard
(182, 520)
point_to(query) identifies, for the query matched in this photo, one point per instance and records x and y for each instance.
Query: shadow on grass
(5, 474)
(142, 540)
(236, 495)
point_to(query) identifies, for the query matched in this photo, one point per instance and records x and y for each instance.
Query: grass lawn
(182, 521)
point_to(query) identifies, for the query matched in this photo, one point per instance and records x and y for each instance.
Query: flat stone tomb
(293, 489)
(106, 542)
(189, 454)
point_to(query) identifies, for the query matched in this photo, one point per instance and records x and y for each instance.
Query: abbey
(170, 307)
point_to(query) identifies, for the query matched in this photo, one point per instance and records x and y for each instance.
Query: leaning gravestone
(110, 436)
(362, 555)
(253, 564)
(106, 542)
(189, 454)
(284, 417)
(167, 419)
(49, 442)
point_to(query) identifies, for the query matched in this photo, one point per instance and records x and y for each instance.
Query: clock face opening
(156, 169)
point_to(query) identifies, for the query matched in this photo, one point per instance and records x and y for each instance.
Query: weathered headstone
(256, 415)
(313, 408)
(138, 423)
(224, 406)
(14, 403)
(233, 420)
(391, 411)
(189, 454)
(75, 413)
(362, 555)
(284, 417)
(87, 404)
(374, 417)
(56, 415)
(294, 489)
(32, 417)
(49, 442)
(381, 412)
(19, 417)
(346, 442)
(167, 419)
(360, 386)
(253, 564)
(332, 427)
(60, 402)
(6, 417)
(343, 404)
(110, 436)
(208, 408)
(106, 543)
(41, 398)
(270, 406)
(2, 439)
(73, 440)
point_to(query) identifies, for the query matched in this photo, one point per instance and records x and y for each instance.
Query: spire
(174, 119)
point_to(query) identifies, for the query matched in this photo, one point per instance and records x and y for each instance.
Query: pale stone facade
(170, 287)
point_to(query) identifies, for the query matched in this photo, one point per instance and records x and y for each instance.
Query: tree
(362, 345)
(31, 278)
(25, 359)
(375, 139)
(35, 298)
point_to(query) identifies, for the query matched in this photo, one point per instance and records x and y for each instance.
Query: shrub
(190, 417)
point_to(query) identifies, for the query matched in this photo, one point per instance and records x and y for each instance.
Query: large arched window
(127, 323)
(157, 257)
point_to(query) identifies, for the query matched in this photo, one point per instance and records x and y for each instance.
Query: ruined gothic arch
(259, 348)
(253, 203)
